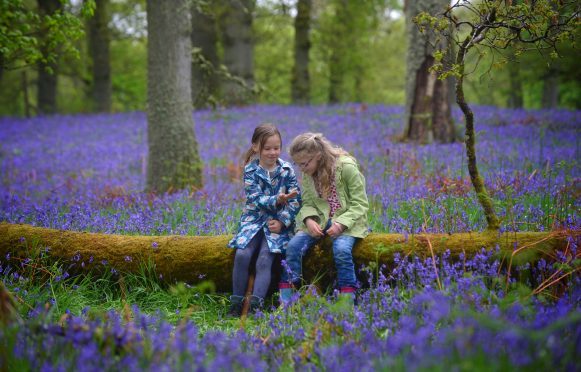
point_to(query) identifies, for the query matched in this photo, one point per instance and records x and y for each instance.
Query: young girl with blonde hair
(334, 204)
(267, 221)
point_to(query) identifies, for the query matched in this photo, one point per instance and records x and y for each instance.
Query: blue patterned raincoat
(261, 192)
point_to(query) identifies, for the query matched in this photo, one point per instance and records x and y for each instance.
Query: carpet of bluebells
(86, 173)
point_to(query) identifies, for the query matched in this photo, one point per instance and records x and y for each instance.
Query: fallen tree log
(193, 259)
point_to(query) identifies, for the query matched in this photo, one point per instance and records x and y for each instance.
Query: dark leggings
(256, 247)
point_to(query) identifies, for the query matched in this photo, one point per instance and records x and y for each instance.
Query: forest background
(118, 150)
(371, 62)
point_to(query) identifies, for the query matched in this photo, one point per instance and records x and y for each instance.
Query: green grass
(40, 283)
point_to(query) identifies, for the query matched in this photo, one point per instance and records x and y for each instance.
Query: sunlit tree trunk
(173, 162)
(99, 39)
(427, 112)
(238, 43)
(205, 62)
(300, 76)
(48, 70)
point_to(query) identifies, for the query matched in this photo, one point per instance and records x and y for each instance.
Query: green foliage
(274, 33)
(49, 285)
(129, 78)
(371, 43)
(27, 37)
(358, 48)
(370, 57)
(492, 35)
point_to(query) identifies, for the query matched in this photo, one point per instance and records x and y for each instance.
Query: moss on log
(193, 259)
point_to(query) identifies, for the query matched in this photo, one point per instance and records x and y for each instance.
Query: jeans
(342, 254)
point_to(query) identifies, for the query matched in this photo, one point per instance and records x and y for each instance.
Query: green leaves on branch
(440, 69)
(498, 25)
(426, 20)
(28, 37)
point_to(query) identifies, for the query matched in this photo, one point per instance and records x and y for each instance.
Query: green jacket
(350, 184)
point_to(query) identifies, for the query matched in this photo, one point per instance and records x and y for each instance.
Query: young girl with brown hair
(267, 221)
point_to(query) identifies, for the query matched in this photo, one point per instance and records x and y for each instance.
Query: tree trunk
(193, 259)
(428, 115)
(47, 70)
(1, 66)
(238, 51)
(335, 77)
(300, 76)
(551, 87)
(515, 95)
(99, 39)
(25, 97)
(341, 47)
(451, 80)
(173, 162)
(515, 98)
(205, 62)
(477, 181)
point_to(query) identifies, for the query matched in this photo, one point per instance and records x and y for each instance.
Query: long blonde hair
(261, 134)
(315, 143)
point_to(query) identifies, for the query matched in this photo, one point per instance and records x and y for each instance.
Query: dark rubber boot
(256, 304)
(235, 309)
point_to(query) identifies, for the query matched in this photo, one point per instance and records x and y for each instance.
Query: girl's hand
(314, 228)
(335, 230)
(275, 226)
(282, 199)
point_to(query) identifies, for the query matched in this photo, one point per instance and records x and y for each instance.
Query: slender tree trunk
(335, 78)
(428, 113)
(1, 66)
(300, 76)
(25, 96)
(451, 80)
(173, 162)
(99, 39)
(47, 88)
(340, 46)
(477, 181)
(515, 97)
(193, 259)
(48, 70)
(205, 62)
(551, 87)
(238, 51)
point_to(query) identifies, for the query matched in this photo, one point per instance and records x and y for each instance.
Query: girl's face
(308, 163)
(269, 153)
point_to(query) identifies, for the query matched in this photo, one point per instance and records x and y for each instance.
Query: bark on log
(193, 259)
